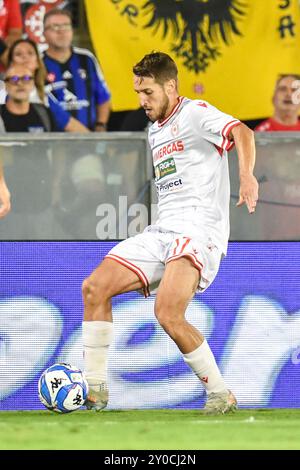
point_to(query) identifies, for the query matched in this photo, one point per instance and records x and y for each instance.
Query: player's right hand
(248, 193)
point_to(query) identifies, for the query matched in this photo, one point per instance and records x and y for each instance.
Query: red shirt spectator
(10, 20)
(11, 26)
(272, 125)
(286, 101)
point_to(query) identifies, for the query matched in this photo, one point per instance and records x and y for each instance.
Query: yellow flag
(228, 52)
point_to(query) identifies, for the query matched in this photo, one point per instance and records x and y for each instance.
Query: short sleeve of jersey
(213, 125)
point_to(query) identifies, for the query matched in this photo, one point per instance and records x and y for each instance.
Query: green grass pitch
(150, 429)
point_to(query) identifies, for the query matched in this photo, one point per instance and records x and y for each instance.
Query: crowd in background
(59, 89)
(62, 87)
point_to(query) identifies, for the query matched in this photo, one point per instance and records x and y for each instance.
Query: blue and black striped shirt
(78, 85)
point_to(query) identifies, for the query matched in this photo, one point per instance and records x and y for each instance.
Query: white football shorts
(148, 253)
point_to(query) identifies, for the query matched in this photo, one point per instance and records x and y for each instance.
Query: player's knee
(164, 317)
(169, 316)
(93, 293)
(170, 325)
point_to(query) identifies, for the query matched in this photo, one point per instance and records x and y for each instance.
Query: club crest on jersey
(175, 129)
(82, 73)
(67, 75)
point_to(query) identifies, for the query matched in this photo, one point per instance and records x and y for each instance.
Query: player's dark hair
(157, 65)
(56, 11)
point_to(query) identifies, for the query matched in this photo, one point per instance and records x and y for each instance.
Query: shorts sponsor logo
(171, 186)
(167, 167)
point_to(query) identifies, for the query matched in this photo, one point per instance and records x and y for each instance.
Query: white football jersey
(189, 150)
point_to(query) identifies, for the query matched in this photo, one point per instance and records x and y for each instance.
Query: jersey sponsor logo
(71, 103)
(171, 186)
(69, 96)
(74, 105)
(55, 86)
(177, 146)
(167, 167)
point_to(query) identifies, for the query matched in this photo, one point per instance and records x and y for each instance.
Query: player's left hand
(4, 201)
(248, 192)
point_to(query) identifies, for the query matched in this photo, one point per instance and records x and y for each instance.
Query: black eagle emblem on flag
(198, 26)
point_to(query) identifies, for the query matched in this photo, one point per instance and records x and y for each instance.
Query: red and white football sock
(97, 337)
(203, 363)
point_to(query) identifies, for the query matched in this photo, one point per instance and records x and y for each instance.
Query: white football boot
(220, 403)
(97, 397)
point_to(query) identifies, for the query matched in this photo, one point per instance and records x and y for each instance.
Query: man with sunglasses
(30, 174)
(18, 114)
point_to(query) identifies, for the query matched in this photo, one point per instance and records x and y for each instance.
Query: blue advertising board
(250, 317)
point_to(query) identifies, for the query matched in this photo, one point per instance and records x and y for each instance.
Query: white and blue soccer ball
(63, 388)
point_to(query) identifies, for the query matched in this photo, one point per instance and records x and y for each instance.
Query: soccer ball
(63, 388)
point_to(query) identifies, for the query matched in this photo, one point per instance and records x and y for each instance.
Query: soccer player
(4, 195)
(181, 253)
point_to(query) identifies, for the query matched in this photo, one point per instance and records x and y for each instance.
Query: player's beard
(162, 113)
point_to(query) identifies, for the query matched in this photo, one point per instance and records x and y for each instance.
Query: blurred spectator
(25, 52)
(29, 174)
(135, 120)
(33, 12)
(18, 114)
(286, 101)
(74, 75)
(10, 26)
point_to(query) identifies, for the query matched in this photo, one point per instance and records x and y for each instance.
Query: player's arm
(4, 195)
(245, 145)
